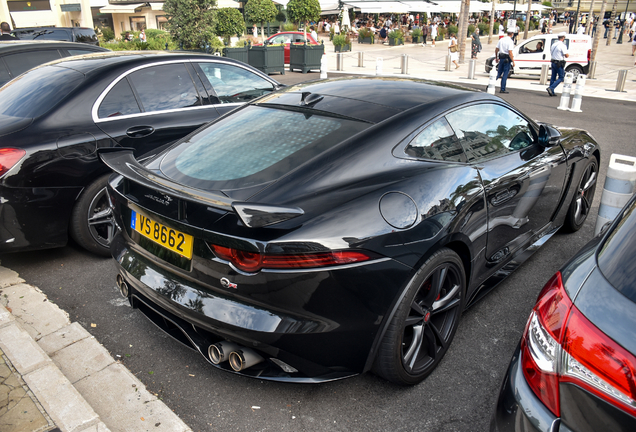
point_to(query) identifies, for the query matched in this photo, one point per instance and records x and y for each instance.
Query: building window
(137, 23)
(162, 22)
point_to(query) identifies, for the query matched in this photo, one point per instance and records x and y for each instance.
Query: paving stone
(21, 349)
(124, 404)
(38, 316)
(5, 316)
(61, 400)
(99, 427)
(82, 359)
(62, 338)
(9, 277)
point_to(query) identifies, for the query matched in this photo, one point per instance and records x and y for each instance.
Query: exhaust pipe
(123, 286)
(220, 352)
(243, 359)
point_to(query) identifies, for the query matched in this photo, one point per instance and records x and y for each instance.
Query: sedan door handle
(139, 131)
(543, 56)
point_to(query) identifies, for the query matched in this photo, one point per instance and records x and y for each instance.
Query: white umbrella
(346, 22)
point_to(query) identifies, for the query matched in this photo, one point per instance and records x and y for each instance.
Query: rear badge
(227, 284)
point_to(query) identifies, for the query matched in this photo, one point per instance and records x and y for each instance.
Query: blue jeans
(557, 69)
(503, 69)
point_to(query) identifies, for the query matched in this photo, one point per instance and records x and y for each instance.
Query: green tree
(303, 11)
(229, 22)
(260, 11)
(190, 21)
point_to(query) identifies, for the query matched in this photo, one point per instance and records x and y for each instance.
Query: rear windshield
(37, 91)
(616, 258)
(253, 146)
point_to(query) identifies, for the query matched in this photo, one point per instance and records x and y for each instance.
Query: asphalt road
(459, 396)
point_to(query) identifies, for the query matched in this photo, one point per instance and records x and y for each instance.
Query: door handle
(543, 56)
(139, 131)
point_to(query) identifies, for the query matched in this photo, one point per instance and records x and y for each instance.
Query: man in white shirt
(558, 54)
(504, 58)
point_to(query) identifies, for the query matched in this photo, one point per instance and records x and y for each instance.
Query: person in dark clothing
(6, 32)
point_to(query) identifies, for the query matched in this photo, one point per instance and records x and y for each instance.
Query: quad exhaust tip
(243, 359)
(124, 290)
(220, 352)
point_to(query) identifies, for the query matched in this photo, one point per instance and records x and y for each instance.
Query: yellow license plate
(169, 238)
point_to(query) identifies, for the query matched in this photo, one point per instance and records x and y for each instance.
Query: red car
(287, 38)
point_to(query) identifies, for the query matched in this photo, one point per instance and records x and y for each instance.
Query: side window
(534, 46)
(437, 141)
(233, 84)
(85, 35)
(566, 42)
(119, 101)
(4, 74)
(277, 40)
(22, 62)
(164, 87)
(488, 130)
(61, 35)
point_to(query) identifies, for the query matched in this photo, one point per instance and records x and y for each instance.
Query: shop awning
(99, 3)
(156, 6)
(34, 18)
(125, 8)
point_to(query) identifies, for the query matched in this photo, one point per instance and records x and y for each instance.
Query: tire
(583, 196)
(92, 221)
(576, 71)
(425, 321)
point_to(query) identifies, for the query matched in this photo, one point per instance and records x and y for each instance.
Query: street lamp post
(620, 36)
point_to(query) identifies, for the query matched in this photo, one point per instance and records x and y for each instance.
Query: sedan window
(437, 141)
(165, 87)
(489, 130)
(234, 84)
(4, 73)
(22, 62)
(119, 101)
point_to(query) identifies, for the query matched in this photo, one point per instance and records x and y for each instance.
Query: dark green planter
(305, 57)
(342, 48)
(395, 42)
(240, 54)
(368, 40)
(267, 59)
(417, 39)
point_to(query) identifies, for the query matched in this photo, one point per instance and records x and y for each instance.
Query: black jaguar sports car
(341, 226)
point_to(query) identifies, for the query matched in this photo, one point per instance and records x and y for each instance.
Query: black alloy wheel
(425, 322)
(93, 222)
(581, 204)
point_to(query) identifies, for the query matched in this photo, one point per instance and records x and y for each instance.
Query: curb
(77, 382)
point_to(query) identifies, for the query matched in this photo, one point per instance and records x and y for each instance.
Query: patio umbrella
(346, 22)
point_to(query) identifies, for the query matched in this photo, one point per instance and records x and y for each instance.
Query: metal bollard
(544, 74)
(578, 93)
(404, 66)
(471, 68)
(339, 62)
(620, 82)
(620, 185)
(564, 104)
(447, 67)
(492, 81)
(592, 70)
(323, 67)
(378, 66)
(360, 59)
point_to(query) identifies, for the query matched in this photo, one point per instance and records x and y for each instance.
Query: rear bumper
(518, 409)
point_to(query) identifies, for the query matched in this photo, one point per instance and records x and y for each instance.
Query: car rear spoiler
(254, 215)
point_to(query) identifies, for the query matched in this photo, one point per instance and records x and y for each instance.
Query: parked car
(20, 56)
(532, 54)
(574, 367)
(287, 38)
(342, 225)
(55, 116)
(72, 34)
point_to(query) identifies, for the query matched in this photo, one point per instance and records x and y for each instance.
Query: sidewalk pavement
(54, 376)
(428, 63)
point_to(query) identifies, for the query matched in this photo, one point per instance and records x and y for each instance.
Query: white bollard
(564, 104)
(492, 81)
(323, 67)
(578, 94)
(378, 66)
(620, 185)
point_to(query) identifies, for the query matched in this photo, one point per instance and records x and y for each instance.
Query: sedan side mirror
(549, 136)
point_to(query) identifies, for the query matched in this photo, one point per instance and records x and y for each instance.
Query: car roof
(27, 45)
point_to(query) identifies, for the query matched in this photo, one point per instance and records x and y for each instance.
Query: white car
(531, 54)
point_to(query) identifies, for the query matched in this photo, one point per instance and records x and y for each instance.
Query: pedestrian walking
(504, 58)
(424, 34)
(558, 54)
(476, 44)
(433, 33)
(453, 50)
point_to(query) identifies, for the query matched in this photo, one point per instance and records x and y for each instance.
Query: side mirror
(549, 136)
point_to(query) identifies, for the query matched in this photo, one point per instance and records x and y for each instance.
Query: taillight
(560, 345)
(589, 55)
(254, 261)
(8, 158)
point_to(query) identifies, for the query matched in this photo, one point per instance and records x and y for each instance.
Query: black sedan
(17, 57)
(575, 368)
(341, 226)
(53, 119)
